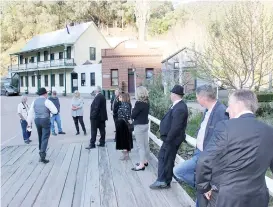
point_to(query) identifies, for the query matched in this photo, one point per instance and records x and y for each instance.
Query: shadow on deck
(79, 177)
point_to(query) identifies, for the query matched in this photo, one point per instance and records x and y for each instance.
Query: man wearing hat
(40, 110)
(172, 133)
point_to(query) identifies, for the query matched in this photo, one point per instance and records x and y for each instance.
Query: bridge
(79, 177)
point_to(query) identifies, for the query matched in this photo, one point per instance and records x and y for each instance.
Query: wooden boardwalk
(79, 177)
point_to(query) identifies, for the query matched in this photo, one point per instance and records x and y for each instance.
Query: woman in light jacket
(140, 121)
(77, 112)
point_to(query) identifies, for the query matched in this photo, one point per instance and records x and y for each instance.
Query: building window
(82, 79)
(149, 73)
(21, 59)
(31, 60)
(53, 80)
(92, 51)
(68, 50)
(46, 80)
(22, 81)
(176, 65)
(33, 80)
(26, 60)
(61, 79)
(92, 79)
(61, 55)
(26, 80)
(45, 56)
(52, 56)
(38, 57)
(114, 77)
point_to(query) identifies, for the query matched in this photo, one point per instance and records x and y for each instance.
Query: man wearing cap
(40, 110)
(172, 133)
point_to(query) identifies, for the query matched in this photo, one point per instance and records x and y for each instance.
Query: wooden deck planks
(14, 174)
(29, 183)
(38, 186)
(147, 178)
(27, 170)
(45, 196)
(124, 194)
(107, 190)
(68, 190)
(80, 178)
(91, 190)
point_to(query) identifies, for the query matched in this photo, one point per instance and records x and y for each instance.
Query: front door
(74, 82)
(131, 81)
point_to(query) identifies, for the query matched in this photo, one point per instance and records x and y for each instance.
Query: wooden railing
(43, 64)
(192, 141)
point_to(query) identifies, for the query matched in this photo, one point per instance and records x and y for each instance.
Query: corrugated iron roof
(55, 38)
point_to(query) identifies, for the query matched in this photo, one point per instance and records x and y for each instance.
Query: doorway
(74, 82)
(131, 81)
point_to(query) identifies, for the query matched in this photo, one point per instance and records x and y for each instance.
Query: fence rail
(192, 141)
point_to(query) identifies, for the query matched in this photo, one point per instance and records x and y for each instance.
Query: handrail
(192, 141)
(44, 64)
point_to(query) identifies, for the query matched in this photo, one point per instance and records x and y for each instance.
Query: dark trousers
(26, 134)
(201, 200)
(43, 129)
(95, 125)
(76, 121)
(166, 158)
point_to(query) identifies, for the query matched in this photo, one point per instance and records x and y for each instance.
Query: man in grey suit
(231, 170)
(215, 112)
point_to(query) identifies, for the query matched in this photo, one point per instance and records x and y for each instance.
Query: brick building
(129, 58)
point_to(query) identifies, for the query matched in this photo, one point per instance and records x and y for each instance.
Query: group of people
(127, 120)
(232, 155)
(233, 149)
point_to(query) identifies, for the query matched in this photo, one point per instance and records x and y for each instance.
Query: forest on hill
(21, 20)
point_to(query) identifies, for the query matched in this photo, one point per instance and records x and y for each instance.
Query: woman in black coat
(124, 140)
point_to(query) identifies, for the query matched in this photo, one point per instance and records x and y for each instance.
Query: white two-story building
(64, 60)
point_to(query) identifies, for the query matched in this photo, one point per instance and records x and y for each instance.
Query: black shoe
(53, 133)
(160, 185)
(44, 161)
(101, 145)
(77, 133)
(138, 169)
(27, 142)
(30, 140)
(145, 164)
(90, 147)
(85, 133)
(61, 133)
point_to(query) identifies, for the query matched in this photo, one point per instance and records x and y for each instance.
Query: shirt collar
(210, 110)
(174, 103)
(242, 113)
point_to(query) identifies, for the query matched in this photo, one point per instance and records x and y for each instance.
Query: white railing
(192, 141)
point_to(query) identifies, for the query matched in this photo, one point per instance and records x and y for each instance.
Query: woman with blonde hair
(77, 112)
(124, 140)
(140, 121)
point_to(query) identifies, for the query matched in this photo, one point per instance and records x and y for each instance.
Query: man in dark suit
(231, 170)
(215, 112)
(98, 116)
(172, 133)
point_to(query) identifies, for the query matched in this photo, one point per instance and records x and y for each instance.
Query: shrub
(190, 97)
(265, 97)
(264, 109)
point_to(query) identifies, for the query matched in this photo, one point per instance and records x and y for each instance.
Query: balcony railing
(43, 64)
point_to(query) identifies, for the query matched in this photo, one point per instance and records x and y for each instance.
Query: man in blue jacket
(215, 112)
(56, 117)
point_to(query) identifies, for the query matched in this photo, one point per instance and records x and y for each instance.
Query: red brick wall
(123, 59)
